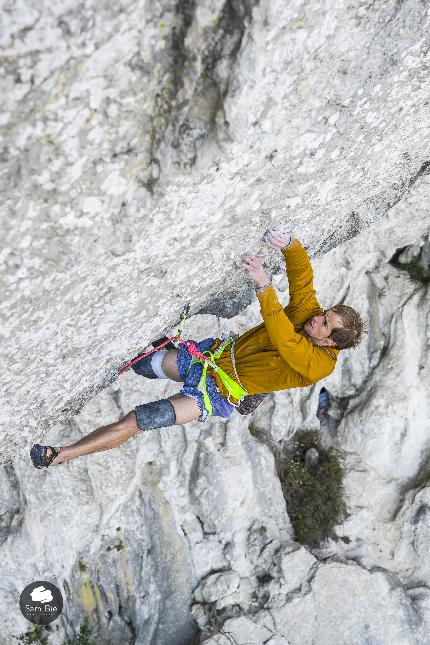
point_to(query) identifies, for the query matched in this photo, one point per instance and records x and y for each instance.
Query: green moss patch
(415, 270)
(417, 267)
(35, 635)
(84, 636)
(118, 547)
(82, 566)
(313, 494)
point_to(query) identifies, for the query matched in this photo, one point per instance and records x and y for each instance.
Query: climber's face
(320, 327)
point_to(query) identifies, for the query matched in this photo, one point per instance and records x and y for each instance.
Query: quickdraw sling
(233, 388)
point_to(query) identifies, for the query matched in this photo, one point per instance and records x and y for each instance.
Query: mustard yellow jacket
(275, 355)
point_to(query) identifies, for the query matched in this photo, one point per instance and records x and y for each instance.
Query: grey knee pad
(157, 414)
(150, 366)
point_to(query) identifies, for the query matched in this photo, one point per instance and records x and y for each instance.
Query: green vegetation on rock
(417, 265)
(36, 634)
(314, 495)
(82, 566)
(415, 270)
(84, 636)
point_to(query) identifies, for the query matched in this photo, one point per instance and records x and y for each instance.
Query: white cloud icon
(40, 594)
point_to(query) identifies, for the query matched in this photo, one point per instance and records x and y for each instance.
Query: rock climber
(294, 346)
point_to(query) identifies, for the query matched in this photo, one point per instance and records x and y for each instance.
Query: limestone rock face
(145, 146)
(135, 136)
(182, 533)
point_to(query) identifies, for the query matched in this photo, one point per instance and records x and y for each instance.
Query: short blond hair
(354, 326)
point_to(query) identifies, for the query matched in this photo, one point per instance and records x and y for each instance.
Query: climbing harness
(233, 362)
(236, 390)
(233, 388)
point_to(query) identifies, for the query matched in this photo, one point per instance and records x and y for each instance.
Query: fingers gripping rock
(277, 238)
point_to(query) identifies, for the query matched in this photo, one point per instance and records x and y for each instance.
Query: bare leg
(113, 435)
(103, 438)
(169, 365)
(186, 408)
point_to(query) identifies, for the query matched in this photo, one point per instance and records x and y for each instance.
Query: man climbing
(294, 346)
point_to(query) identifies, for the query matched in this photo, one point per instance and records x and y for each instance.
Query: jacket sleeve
(303, 302)
(299, 353)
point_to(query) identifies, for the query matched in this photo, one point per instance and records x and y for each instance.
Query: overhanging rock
(144, 148)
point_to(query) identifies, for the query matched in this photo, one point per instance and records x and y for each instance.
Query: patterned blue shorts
(220, 406)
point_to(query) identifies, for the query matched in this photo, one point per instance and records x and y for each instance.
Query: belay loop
(233, 388)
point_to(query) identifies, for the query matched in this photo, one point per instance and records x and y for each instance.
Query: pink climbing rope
(192, 348)
(150, 351)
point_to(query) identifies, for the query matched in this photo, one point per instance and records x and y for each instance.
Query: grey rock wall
(144, 148)
(182, 533)
(135, 136)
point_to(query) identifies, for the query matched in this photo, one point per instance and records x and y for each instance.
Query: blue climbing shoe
(323, 406)
(42, 456)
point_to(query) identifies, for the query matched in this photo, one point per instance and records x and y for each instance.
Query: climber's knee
(128, 424)
(157, 414)
(150, 366)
